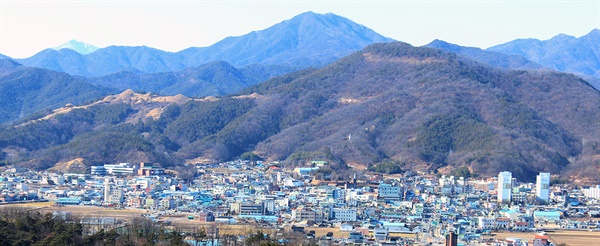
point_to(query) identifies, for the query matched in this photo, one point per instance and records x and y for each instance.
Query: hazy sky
(27, 27)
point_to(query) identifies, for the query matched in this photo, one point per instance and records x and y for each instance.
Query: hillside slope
(25, 90)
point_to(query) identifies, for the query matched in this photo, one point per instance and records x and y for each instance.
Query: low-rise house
(502, 223)
(486, 223)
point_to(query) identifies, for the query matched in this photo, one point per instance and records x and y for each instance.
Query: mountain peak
(441, 44)
(594, 33)
(79, 47)
(560, 38)
(326, 37)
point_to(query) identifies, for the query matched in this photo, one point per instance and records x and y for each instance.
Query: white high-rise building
(504, 187)
(106, 189)
(542, 187)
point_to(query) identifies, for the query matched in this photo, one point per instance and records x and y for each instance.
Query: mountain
(79, 47)
(105, 61)
(7, 66)
(63, 60)
(495, 59)
(507, 61)
(307, 40)
(25, 90)
(210, 79)
(564, 53)
(390, 107)
(4, 57)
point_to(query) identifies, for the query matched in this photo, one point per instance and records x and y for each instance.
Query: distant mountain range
(79, 47)
(389, 105)
(210, 79)
(307, 40)
(312, 40)
(564, 53)
(491, 58)
(580, 56)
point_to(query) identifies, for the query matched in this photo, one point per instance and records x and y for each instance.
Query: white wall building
(504, 187)
(542, 187)
(344, 214)
(486, 223)
(389, 191)
(592, 192)
(292, 182)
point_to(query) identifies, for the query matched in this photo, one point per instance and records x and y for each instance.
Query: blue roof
(546, 213)
(68, 200)
(388, 224)
(260, 217)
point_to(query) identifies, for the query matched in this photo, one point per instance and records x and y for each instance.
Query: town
(369, 208)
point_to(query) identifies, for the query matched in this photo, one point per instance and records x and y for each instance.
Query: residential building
(546, 215)
(592, 192)
(486, 223)
(344, 214)
(248, 208)
(308, 214)
(389, 192)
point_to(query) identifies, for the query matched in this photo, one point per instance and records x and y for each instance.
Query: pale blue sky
(27, 27)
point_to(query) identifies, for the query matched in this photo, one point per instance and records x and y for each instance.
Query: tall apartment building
(542, 187)
(504, 187)
(106, 189)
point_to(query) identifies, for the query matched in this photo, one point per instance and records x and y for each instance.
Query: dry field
(89, 211)
(572, 238)
(575, 237)
(33, 204)
(83, 211)
(245, 229)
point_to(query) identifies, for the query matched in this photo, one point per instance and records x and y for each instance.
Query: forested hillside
(211, 79)
(389, 104)
(25, 90)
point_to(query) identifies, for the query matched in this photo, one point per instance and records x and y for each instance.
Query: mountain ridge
(562, 52)
(79, 47)
(492, 58)
(211, 79)
(306, 40)
(26, 90)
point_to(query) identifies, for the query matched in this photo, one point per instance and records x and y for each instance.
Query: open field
(572, 238)
(575, 237)
(33, 204)
(90, 211)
